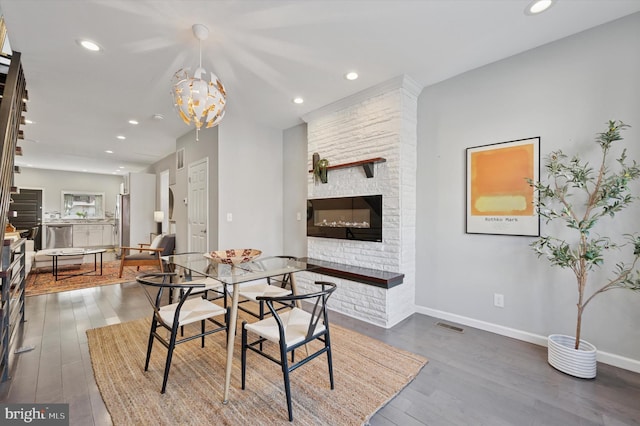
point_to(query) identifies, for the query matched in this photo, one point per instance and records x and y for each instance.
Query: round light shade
(198, 101)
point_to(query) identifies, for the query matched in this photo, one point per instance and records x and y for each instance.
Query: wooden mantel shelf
(367, 165)
(374, 277)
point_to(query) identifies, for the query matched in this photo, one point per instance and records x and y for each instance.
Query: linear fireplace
(348, 218)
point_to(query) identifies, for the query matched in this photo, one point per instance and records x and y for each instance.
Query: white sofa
(42, 262)
(30, 255)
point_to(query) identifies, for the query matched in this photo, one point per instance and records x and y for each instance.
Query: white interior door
(198, 205)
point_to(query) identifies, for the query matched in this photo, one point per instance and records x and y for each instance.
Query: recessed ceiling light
(351, 75)
(27, 121)
(90, 45)
(298, 100)
(134, 122)
(538, 6)
(84, 170)
(109, 151)
(121, 137)
(121, 167)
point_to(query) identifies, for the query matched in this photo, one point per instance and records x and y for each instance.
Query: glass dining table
(198, 265)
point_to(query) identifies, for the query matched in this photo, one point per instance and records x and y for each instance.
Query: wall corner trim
(400, 82)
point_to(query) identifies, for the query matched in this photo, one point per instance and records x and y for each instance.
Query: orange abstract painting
(498, 181)
(500, 200)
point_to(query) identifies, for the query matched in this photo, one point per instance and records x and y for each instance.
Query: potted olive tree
(579, 197)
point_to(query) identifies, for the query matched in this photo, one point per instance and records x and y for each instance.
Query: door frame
(42, 231)
(204, 160)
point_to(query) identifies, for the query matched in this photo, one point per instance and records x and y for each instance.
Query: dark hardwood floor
(472, 378)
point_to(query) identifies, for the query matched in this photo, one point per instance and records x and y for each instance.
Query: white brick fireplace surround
(378, 122)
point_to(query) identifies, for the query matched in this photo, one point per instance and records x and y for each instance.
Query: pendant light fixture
(197, 100)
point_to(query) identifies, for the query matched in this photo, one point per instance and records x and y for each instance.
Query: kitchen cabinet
(108, 235)
(92, 235)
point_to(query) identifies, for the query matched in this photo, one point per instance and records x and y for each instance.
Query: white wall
(294, 185)
(250, 185)
(142, 190)
(563, 92)
(377, 122)
(53, 182)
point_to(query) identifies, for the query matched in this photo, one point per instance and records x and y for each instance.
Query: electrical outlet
(298, 216)
(229, 217)
(498, 300)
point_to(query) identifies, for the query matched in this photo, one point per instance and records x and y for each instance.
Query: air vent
(450, 327)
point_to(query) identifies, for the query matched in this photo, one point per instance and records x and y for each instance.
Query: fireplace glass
(348, 218)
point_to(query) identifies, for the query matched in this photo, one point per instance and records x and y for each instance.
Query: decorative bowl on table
(233, 256)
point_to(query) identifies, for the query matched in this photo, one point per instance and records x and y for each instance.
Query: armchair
(148, 254)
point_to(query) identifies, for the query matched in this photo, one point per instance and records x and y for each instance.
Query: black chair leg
(202, 331)
(327, 344)
(227, 318)
(244, 354)
(167, 367)
(150, 344)
(285, 374)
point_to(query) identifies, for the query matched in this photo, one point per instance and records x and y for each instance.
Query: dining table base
(233, 320)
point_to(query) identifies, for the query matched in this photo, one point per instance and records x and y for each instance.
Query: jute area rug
(367, 373)
(43, 282)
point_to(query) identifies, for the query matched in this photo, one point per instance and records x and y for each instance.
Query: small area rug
(367, 372)
(43, 282)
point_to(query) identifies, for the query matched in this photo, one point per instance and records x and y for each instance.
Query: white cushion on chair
(193, 310)
(156, 241)
(296, 324)
(251, 292)
(209, 284)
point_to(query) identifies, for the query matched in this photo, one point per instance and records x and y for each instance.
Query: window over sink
(82, 205)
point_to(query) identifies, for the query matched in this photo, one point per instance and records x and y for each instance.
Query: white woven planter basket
(563, 357)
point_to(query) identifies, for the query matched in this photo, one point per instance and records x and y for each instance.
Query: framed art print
(500, 201)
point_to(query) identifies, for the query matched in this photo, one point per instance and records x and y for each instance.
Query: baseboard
(604, 357)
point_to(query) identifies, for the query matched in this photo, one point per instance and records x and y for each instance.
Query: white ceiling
(265, 52)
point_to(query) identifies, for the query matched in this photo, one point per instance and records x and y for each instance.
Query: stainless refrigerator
(123, 217)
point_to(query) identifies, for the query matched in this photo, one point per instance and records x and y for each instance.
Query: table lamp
(158, 217)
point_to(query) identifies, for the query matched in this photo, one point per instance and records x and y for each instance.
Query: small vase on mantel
(320, 169)
(563, 356)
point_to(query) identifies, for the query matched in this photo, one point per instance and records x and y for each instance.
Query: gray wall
(205, 147)
(563, 92)
(53, 182)
(167, 163)
(250, 181)
(295, 190)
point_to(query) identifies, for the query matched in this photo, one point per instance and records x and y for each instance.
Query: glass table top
(72, 251)
(258, 268)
